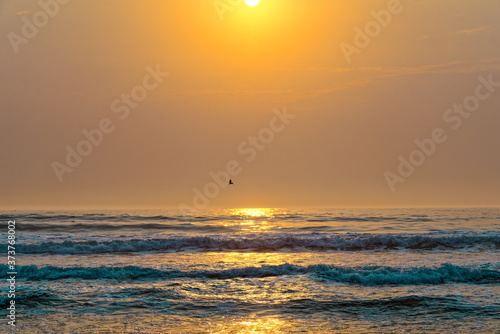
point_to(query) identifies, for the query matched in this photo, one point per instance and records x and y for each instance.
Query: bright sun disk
(252, 3)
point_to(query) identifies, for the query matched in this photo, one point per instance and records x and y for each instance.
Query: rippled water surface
(258, 271)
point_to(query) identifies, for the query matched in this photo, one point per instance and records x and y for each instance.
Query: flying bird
(230, 181)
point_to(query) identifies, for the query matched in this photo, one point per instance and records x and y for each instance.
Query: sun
(252, 3)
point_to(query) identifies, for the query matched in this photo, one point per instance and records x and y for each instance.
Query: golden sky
(363, 79)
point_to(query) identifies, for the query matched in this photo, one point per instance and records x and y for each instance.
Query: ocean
(255, 271)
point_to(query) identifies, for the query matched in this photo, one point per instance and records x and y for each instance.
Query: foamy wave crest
(370, 275)
(273, 242)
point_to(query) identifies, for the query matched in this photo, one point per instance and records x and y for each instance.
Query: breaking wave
(368, 275)
(273, 242)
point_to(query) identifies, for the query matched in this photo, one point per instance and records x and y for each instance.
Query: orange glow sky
(226, 76)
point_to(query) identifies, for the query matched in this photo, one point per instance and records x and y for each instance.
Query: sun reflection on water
(251, 219)
(253, 212)
(249, 258)
(263, 325)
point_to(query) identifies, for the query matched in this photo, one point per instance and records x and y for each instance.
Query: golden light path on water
(251, 219)
(253, 212)
(262, 294)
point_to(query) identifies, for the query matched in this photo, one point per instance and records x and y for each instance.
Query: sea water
(256, 271)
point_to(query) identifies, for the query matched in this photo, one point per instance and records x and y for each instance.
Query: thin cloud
(365, 76)
(290, 95)
(380, 71)
(470, 32)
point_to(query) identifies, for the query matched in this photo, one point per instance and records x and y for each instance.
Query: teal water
(257, 271)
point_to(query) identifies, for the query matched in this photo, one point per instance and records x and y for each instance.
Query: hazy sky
(360, 100)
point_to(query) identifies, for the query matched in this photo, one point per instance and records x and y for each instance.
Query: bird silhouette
(230, 181)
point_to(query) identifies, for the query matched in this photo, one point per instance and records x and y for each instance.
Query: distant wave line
(306, 217)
